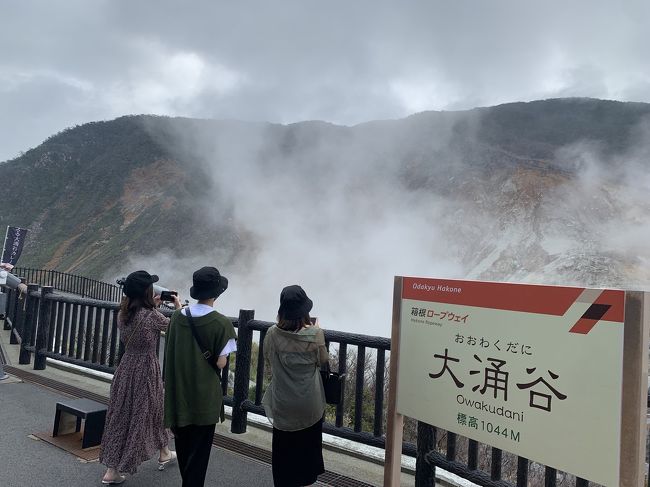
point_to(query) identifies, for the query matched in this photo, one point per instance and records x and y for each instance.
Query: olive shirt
(192, 387)
(295, 398)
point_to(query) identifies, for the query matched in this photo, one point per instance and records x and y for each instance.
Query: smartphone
(313, 320)
(168, 295)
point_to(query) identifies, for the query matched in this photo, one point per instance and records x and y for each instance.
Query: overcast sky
(69, 62)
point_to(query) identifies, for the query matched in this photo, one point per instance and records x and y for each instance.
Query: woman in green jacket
(295, 400)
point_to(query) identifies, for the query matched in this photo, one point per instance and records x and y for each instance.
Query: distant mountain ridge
(96, 193)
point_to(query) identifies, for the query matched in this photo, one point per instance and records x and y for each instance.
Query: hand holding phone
(168, 296)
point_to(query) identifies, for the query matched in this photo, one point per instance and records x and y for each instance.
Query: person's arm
(159, 322)
(222, 361)
(268, 350)
(323, 354)
(177, 301)
(230, 347)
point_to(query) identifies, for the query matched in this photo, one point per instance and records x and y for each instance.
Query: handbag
(333, 384)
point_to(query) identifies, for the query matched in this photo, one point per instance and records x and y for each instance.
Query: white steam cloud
(340, 223)
(342, 213)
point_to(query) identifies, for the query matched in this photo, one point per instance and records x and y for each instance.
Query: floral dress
(134, 428)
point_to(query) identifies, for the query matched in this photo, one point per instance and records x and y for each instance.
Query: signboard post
(395, 421)
(554, 374)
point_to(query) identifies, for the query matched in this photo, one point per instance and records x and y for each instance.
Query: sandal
(114, 481)
(172, 458)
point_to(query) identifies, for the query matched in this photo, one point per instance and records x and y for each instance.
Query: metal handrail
(71, 283)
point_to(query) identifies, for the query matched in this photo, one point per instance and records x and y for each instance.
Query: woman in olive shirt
(295, 400)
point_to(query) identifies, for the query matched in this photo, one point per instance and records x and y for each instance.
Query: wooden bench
(69, 414)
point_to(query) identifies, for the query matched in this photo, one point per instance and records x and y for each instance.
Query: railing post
(18, 317)
(343, 369)
(425, 474)
(550, 476)
(242, 371)
(522, 473)
(7, 319)
(495, 464)
(11, 315)
(359, 386)
(43, 331)
(259, 378)
(29, 324)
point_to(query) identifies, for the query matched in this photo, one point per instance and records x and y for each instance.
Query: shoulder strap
(207, 354)
(135, 328)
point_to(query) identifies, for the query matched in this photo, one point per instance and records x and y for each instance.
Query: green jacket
(192, 387)
(295, 398)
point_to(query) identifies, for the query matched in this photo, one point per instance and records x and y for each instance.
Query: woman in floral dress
(134, 428)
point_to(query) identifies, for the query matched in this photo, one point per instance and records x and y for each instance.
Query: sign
(534, 370)
(13, 246)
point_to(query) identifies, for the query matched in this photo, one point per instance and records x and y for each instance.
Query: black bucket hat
(207, 283)
(294, 303)
(137, 283)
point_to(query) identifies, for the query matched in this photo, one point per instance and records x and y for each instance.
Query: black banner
(13, 247)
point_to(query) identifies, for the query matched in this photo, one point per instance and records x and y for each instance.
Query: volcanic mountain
(521, 191)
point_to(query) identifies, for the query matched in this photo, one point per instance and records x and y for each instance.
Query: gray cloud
(345, 62)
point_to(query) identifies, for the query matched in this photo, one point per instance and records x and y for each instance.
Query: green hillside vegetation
(72, 190)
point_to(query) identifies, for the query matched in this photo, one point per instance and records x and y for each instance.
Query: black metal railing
(84, 332)
(75, 330)
(71, 283)
(361, 414)
(444, 454)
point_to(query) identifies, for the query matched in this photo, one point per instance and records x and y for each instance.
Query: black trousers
(193, 447)
(297, 456)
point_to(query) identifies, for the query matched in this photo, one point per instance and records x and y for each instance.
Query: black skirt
(297, 456)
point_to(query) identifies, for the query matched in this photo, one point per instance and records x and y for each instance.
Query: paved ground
(25, 462)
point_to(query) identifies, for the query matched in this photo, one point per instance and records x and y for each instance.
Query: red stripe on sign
(527, 298)
(610, 306)
(583, 326)
(615, 299)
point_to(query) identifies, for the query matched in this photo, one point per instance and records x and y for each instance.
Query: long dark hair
(130, 306)
(294, 324)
